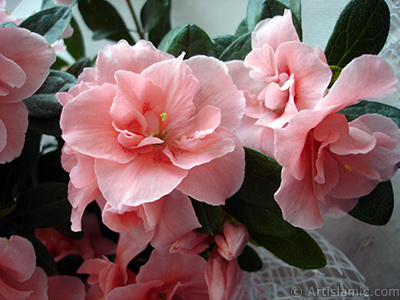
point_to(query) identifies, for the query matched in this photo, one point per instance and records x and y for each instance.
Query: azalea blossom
(232, 240)
(23, 69)
(144, 124)
(279, 77)
(329, 163)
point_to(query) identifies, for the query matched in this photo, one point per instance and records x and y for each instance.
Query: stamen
(163, 116)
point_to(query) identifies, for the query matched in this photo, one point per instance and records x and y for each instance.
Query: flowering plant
(173, 152)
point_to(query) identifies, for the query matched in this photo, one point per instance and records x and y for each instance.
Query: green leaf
(157, 33)
(209, 216)
(49, 126)
(101, 15)
(153, 12)
(44, 104)
(242, 29)
(377, 207)
(79, 65)
(222, 42)
(297, 249)
(238, 49)
(335, 74)
(59, 64)
(50, 23)
(70, 264)
(74, 43)
(258, 10)
(254, 204)
(190, 39)
(249, 260)
(44, 205)
(362, 28)
(370, 107)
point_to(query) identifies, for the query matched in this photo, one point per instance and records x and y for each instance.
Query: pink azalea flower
(144, 124)
(224, 278)
(279, 77)
(19, 276)
(167, 276)
(329, 163)
(23, 69)
(63, 287)
(232, 240)
(92, 245)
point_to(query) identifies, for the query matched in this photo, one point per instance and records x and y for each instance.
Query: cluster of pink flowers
(145, 132)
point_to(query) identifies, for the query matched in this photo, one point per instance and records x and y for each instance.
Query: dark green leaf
(362, 28)
(16, 176)
(158, 32)
(153, 12)
(65, 230)
(377, 207)
(298, 249)
(47, 4)
(50, 126)
(254, 204)
(45, 205)
(190, 39)
(258, 10)
(44, 259)
(70, 264)
(370, 107)
(44, 104)
(222, 42)
(7, 208)
(101, 15)
(79, 65)
(209, 216)
(249, 260)
(242, 29)
(238, 49)
(74, 43)
(49, 167)
(59, 64)
(50, 23)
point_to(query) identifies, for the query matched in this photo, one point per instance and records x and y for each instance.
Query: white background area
(374, 250)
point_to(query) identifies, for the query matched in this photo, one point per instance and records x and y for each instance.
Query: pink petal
(178, 218)
(222, 176)
(11, 75)
(275, 31)
(63, 287)
(145, 179)
(262, 63)
(179, 87)
(13, 125)
(135, 94)
(311, 75)
(87, 125)
(122, 56)
(223, 95)
(33, 55)
(232, 240)
(297, 201)
(366, 77)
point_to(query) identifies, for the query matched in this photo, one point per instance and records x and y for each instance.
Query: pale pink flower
(167, 276)
(279, 77)
(20, 279)
(144, 124)
(232, 240)
(224, 278)
(329, 163)
(92, 245)
(23, 69)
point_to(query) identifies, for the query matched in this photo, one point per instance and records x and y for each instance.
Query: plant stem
(139, 29)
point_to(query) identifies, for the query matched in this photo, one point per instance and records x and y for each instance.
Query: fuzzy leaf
(50, 23)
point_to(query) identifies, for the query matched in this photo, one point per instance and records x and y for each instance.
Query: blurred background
(373, 250)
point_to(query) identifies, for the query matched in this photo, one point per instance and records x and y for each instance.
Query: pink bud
(192, 243)
(232, 240)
